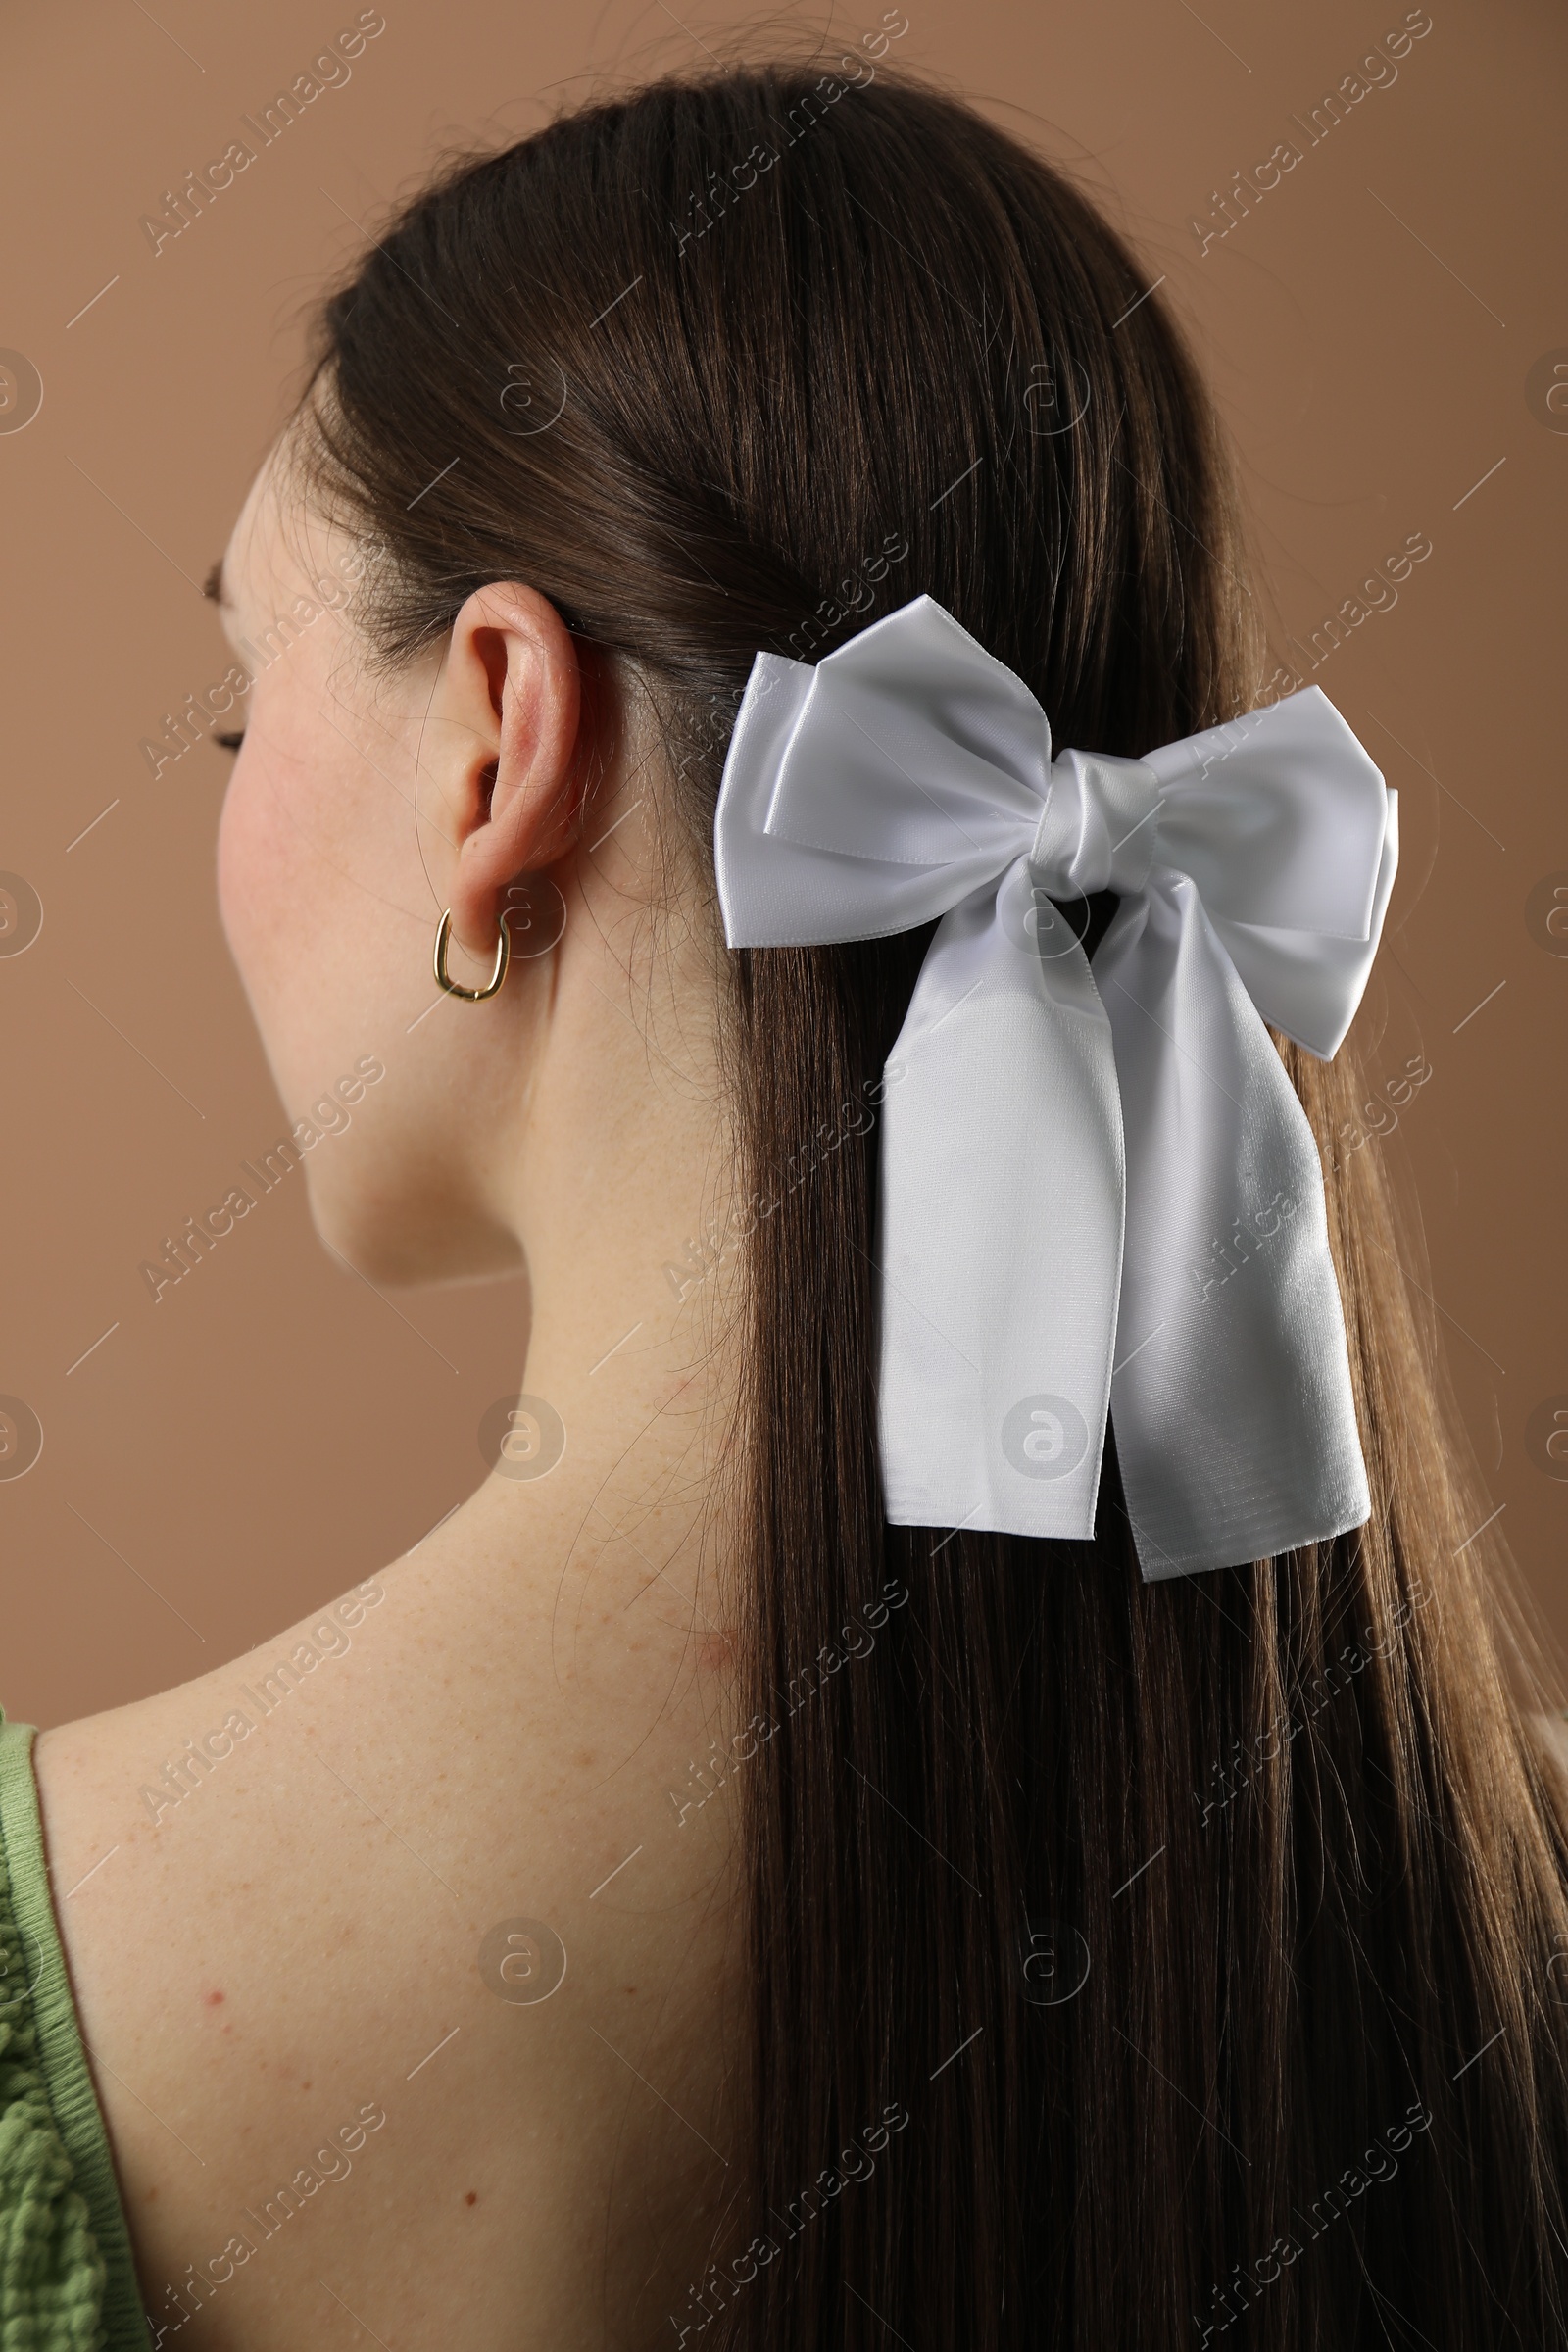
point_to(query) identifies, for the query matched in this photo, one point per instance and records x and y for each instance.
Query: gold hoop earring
(455, 988)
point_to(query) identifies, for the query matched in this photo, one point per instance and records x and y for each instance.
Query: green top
(67, 2280)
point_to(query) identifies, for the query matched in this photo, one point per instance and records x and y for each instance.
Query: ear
(503, 746)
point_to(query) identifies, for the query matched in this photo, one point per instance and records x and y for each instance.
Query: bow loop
(1099, 1196)
(1279, 817)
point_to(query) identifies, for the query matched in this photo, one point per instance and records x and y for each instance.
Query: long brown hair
(1134, 1965)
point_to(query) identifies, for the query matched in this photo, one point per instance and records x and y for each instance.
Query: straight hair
(1131, 1964)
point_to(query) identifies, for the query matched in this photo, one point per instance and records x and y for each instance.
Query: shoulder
(211, 1878)
(277, 1888)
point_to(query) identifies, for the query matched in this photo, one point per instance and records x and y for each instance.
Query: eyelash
(230, 742)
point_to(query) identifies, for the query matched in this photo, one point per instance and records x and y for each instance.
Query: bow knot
(1098, 827)
(1101, 1200)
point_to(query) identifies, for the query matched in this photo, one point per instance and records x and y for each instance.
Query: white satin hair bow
(1100, 1194)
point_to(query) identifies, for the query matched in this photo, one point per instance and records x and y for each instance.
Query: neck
(600, 1590)
(621, 1208)
(611, 1166)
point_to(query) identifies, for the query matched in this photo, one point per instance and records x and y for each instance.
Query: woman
(674, 1903)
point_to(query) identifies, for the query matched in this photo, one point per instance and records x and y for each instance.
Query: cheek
(255, 884)
(292, 914)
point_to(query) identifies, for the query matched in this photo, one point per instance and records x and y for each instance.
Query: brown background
(231, 1458)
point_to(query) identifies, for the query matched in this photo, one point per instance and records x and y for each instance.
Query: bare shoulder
(378, 1936)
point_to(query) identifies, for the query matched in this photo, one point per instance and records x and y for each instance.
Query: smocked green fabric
(67, 2282)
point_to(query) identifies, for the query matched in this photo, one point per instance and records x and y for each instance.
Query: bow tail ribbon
(1131, 1131)
(1000, 1217)
(1232, 1403)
